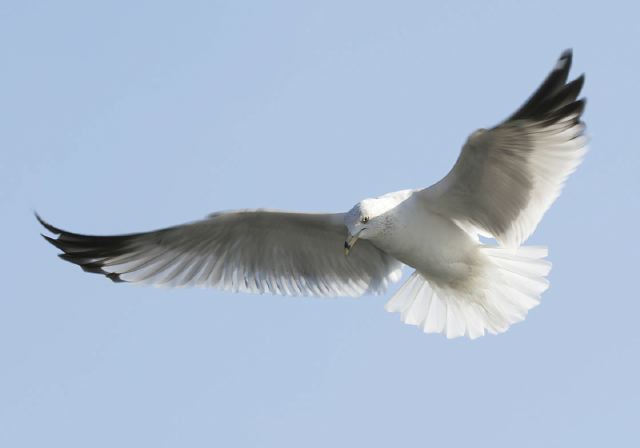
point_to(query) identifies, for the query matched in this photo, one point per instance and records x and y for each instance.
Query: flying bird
(502, 183)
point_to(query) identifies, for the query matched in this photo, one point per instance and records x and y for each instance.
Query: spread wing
(507, 177)
(248, 251)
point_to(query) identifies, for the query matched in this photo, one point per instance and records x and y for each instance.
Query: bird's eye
(364, 220)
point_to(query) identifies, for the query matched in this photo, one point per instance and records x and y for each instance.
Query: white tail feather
(510, 286)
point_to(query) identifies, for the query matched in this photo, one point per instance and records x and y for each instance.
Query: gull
(501, 185)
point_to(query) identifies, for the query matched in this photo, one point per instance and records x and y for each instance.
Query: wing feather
(256, 251)
(507, 177)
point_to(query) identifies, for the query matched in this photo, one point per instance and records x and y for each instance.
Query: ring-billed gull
(503, 182)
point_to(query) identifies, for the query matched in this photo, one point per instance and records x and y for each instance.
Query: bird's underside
(503, 182)
(255, 251)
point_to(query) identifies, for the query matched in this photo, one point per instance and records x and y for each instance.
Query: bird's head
(367, 220)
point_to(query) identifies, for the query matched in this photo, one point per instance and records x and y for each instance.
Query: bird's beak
(350, 242)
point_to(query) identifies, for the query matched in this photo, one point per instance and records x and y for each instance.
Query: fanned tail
(511, 284)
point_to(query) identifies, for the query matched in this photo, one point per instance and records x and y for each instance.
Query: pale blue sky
(129, 116)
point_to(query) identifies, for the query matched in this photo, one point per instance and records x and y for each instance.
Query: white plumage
(503, 182)
(512, 286)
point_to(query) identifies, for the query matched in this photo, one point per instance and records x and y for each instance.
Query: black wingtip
(46, 225)
(115, 278)
(567, 54)
(84, 250)
(572, 110)
(554, 93)
(564, 61)
(53, 241)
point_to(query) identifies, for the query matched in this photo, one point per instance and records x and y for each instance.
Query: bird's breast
(432, 244)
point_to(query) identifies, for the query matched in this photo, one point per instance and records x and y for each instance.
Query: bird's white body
(460, 286)
(450, 263)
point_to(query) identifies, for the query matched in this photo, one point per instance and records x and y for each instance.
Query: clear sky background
(128, 116)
